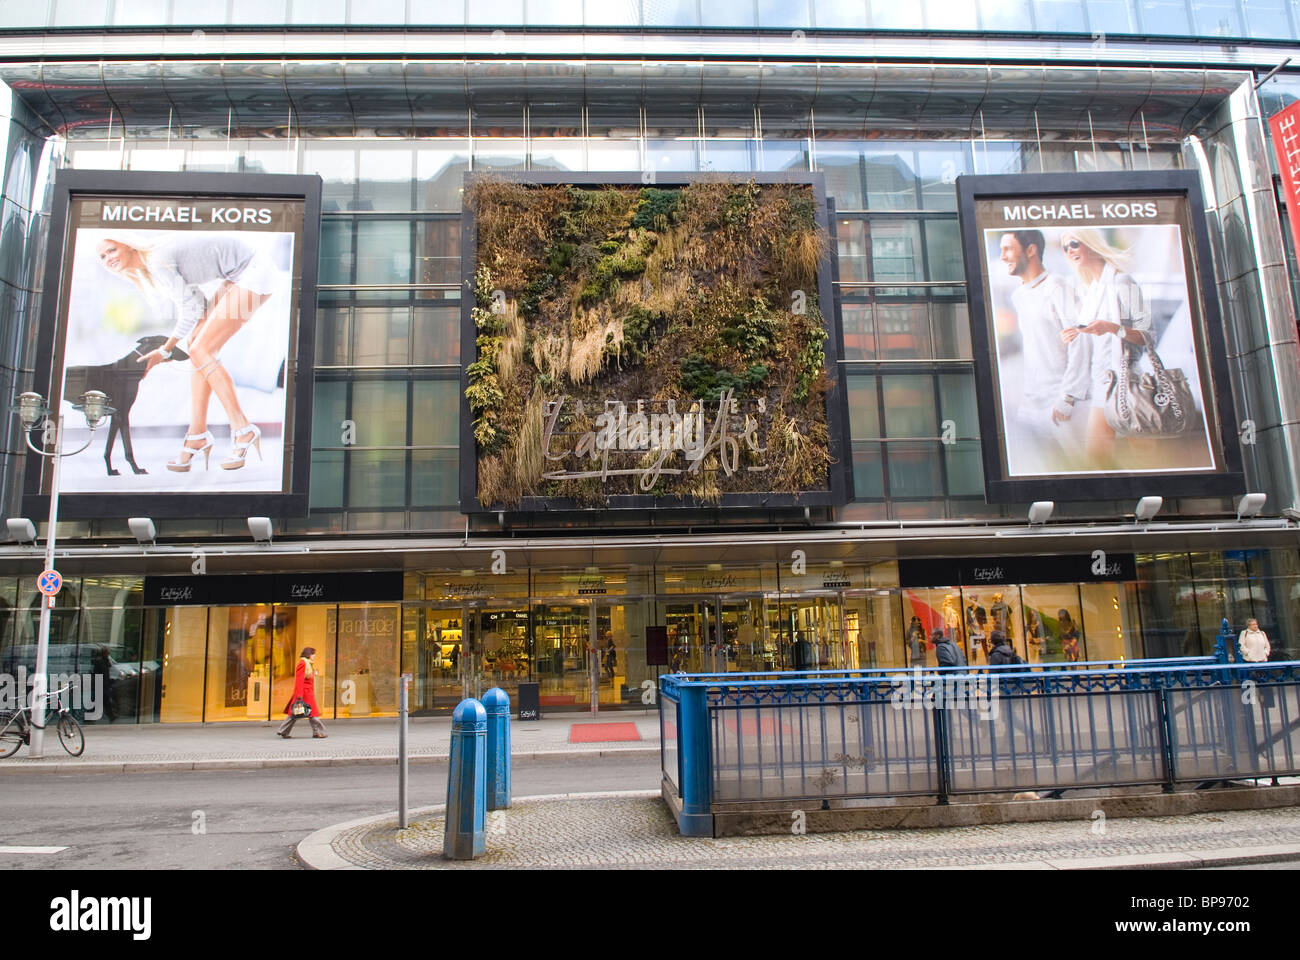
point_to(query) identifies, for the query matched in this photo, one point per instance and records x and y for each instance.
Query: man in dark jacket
(1002, 652)
(947, 652)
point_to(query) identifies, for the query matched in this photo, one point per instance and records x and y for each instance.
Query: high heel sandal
(239, 448)
(183, 466)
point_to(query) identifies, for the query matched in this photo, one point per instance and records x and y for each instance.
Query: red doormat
(602, 732)
(557, 700)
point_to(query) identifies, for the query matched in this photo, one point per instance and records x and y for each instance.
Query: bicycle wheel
(11, 734)
(70, 735)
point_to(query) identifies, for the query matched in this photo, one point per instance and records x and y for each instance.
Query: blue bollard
(464, 838)
(497, 704)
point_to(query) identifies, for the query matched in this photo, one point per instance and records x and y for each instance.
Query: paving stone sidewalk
(162, 747)
(635, 830)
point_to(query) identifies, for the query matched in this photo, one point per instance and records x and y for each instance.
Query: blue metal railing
(816, 736)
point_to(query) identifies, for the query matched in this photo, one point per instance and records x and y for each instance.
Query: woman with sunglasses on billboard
(1113, 309)
(173, 272)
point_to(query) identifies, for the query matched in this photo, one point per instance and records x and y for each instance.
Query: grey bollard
(463, 837)
(497, 704)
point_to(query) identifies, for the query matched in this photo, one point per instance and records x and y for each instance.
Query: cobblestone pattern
(640, 832)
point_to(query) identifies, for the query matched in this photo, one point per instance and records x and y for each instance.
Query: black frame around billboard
(293, 501)
(999, 488)
(840, 474)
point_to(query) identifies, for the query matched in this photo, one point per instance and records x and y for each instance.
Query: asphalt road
(242, 819)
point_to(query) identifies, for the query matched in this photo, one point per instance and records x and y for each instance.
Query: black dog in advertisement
(121, 381)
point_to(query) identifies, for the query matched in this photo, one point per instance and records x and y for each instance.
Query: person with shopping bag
(303, 701)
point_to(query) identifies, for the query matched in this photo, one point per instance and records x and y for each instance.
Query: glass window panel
(1050, 613)
(317, 11)
(326, 480)
(1163, 16)
(376, 478)
(915, 470)
(184, 648)
(1110, 629)
(383, 251)
(437, 335)
(888, 14)
(425, 11)
(999, 157)
(859, 331)
(891, 178)
(1170, 627)
(777, 155)
(895, 251)
(676, 154)
(269, 159)
(672, 13)
(937, 167)
(868, 477)
(211, 161)
(440, 171)
(377, 11)
(138, 13)
(957, 403)
(1060, 16)
(783, 13)
(497, 154)
(843, 166)
(333, 337)
(1267, 20)
(965, 469)
(841, 14)
(258, 11)
(380, 335)
(601, 13)
(379, 411)
(903, 331)
(943, 250)
(80, 13)
(950, 15)
(436, 420)
(554, 13)
(435, 478)
(336, 264)
(951, 323)
(558, 154)
(241, 651)
(385, 178)
(909, 406)
(368, 643)
(437, 245)
(1216, 18)
(329, 409)
(159, 159)
(727, 13)
(851, 241)
(613, 155)
(729, 155)
(864, 407)
(1005, 15)
(337, 167)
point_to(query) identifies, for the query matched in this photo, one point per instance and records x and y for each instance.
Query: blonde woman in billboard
(173, 272)
(1113, 310)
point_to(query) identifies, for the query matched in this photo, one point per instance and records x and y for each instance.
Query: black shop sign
(1098, 567)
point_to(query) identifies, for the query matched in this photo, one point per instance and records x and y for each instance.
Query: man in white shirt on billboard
(1046, 436)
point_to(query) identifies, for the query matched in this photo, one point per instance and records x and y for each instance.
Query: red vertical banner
(1285, 129)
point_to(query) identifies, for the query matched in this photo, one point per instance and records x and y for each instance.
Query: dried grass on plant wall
(497, 482)
(530, 459)
(512, 344)
(603, 334)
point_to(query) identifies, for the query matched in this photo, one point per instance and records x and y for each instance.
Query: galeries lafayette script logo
(657, 438)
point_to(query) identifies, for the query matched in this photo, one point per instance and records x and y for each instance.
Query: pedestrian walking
(1002, 651)
(946, 652)
(303, 702)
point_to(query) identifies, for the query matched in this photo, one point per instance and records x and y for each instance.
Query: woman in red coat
(304, 689)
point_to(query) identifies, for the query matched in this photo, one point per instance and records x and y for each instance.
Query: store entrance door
(471, 651)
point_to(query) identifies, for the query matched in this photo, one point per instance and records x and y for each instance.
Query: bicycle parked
(16, 727)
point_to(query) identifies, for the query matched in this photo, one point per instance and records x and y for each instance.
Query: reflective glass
(965, 468)
(783, 13)
(333, 336)
(336, 263)
(1163, 16)
(859, 331)
(957, 403)
(329, 410)
(864, 408)
(436, 335)
(891, 178)
(950, 15)
(938, 166)
(1216, 18)
(842, 165)
(377, 11)
(841, 14)
(851, 239)
(951, 326)
(385, 175)
(915, 470)
(376, 478)
(1005, 15)
(440, 168)
(318, 11)
(139, 13)
(379, 411)
(337, 167)
(672, 13)
(909, 406)
(887, 14)
(326, 479)
(557, 154)
(435, 478)
(435, 423)
(380, 335)
(79, 13)
(777, 155)
(727, 13)
(1064, 16)
(1112, 16)
(868, 476)
(895, 251)
(943, 251)
(903, 331)
(183, 653)
(437, 251)
(383, 251)
(1268, 20)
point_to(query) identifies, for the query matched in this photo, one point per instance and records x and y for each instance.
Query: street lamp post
(32, 410)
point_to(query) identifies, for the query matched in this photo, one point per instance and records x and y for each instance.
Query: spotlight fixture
(21, 529)
(1040, 511)
(142, 529)
(1147, 508)
(1250, 505)
(260, 528)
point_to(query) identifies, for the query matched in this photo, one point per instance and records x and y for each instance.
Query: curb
(315, 852)
(280, 763)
